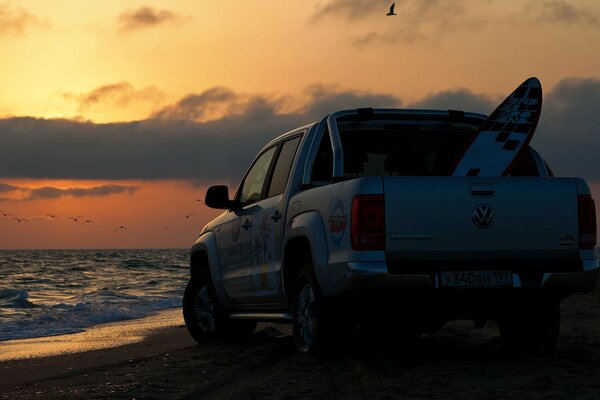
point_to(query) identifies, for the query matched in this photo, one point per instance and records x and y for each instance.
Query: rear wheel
(311, 316)
(532, 329)
(204, 317)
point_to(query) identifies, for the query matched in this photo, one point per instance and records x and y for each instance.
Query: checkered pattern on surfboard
(504, 134)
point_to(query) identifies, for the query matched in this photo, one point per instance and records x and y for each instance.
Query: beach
(154, 358)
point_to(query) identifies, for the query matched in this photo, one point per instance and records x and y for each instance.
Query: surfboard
(504, 135)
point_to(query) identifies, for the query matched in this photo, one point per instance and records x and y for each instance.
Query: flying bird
(88, 221)
(20, 219)
(188, 216)
(76, 219)
(52, 216)
(392, 10)
(121, 228)
(5, 214)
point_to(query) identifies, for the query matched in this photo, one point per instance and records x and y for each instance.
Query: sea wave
(62, 319)
(15, 298)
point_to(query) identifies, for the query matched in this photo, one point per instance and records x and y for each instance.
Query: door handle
(276, 216)
(247, 224)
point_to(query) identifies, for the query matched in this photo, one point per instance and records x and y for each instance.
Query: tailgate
(449, 219)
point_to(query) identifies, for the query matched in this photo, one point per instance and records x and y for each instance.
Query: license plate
(475, 279)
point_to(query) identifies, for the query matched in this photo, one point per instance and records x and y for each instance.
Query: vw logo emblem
(483, 216)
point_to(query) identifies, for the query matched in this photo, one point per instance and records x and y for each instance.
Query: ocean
(53, 292)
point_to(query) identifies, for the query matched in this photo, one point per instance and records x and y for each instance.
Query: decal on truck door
(263, 250)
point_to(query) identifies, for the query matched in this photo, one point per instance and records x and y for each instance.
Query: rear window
(415, 148)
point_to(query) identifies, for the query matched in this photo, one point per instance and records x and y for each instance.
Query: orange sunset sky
(124, 112)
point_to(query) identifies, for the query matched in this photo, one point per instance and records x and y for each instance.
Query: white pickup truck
(354, 222)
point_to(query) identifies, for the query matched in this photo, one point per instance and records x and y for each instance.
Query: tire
(312, 322)
(204, 317)
(533, 330)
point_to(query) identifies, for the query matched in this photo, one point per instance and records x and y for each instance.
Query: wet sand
(455, 362)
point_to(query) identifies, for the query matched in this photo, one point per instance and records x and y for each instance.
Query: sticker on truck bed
(337, 221)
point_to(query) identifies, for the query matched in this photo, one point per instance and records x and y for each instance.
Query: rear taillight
(587, 221)
(368, 226)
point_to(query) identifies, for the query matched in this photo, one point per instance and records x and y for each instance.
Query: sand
(156, 359)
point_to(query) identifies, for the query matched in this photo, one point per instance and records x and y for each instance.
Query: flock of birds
(75, 218)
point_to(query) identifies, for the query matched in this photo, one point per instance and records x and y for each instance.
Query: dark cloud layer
(49, 192)
(144, 17)
(172, 144)
(178, 143)
(25, 193)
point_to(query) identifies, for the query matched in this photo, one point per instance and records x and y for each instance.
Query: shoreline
(26, 362)
(96, 337)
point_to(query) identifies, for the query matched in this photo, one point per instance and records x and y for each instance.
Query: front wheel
(203, 315)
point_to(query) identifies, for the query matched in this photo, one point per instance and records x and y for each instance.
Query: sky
(125, 112)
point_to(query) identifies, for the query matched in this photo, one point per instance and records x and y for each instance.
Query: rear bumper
(374, 276)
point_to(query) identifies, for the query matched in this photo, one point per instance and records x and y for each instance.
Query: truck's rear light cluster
(587, 221)
(368, 223)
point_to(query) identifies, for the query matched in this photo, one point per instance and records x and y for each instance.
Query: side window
(323, 166)
(252, 187)
(283, 166)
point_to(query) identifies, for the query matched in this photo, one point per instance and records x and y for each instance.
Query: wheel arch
(305, 241)
(204, 255)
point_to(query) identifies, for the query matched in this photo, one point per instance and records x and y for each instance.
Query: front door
(235, 235)
(267, 229)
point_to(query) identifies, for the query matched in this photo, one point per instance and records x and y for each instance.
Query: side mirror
(218, 197)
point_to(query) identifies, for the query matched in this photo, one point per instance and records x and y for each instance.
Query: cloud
(49, 192)
(415, 19)
(208, 105)
(182, 142)
(145, 17)
(564, 12)
(5, 187)
(15, 20)
(25, 193)
(114, 94)
(350, 10)
(567, 135)
(323, 100)
(458, 99)
(363, 41)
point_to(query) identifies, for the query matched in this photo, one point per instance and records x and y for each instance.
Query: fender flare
(207, 243)
(309, 225)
